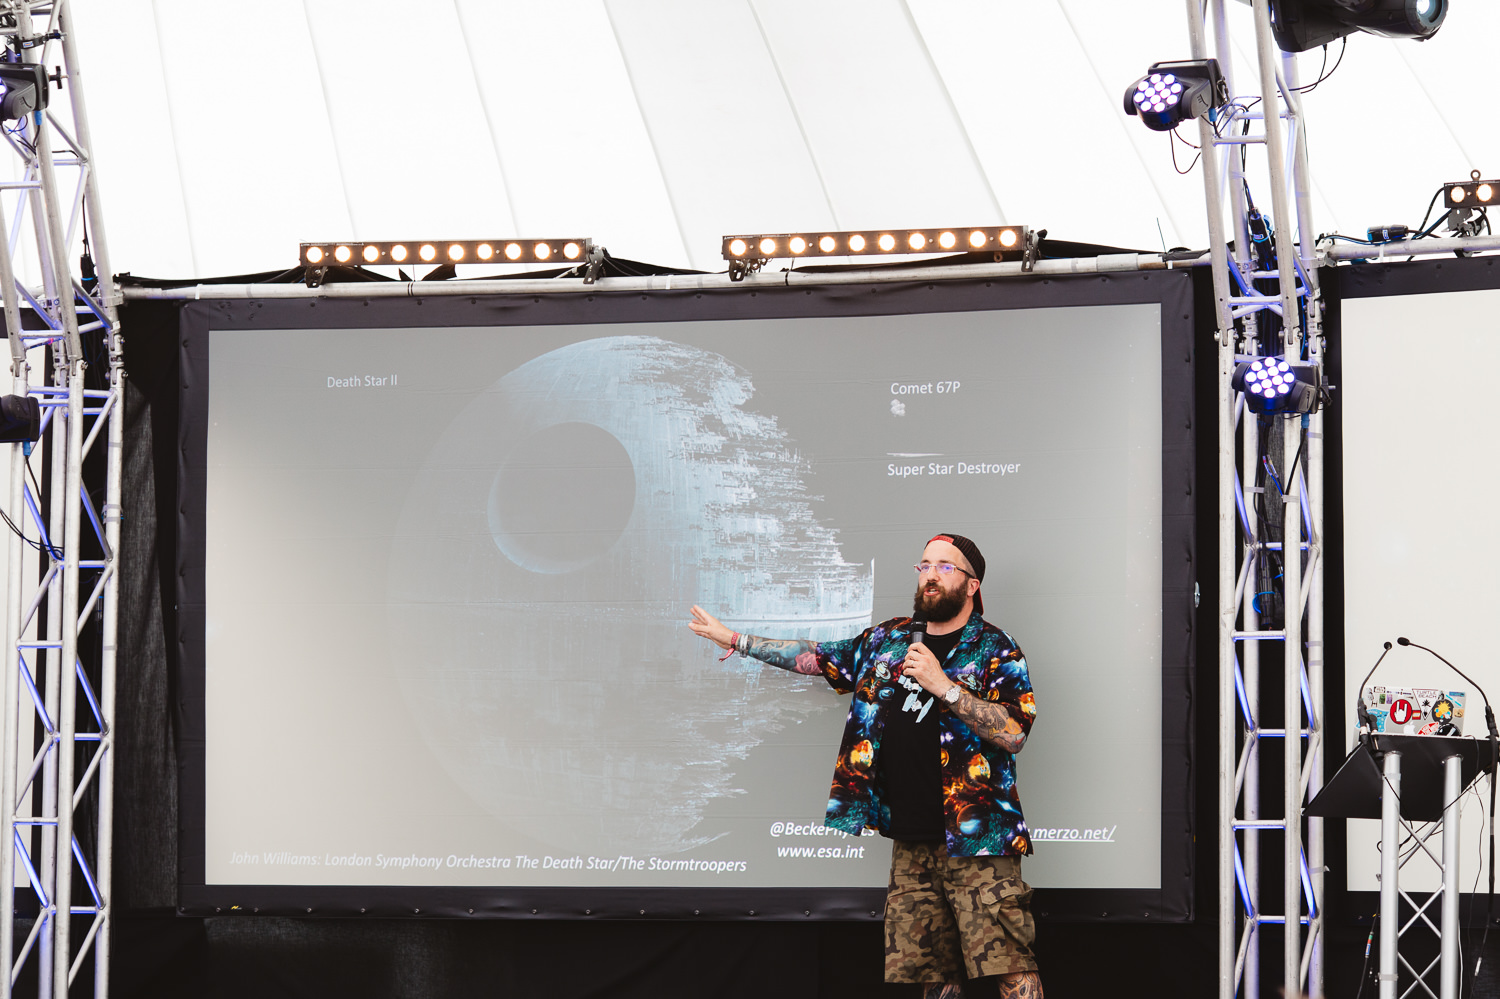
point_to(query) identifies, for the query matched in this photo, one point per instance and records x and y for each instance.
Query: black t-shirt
(910, 767)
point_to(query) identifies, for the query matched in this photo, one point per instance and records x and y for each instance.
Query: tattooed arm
(797, 655)
(991, 721)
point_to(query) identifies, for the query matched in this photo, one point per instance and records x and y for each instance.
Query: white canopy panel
(225, 134)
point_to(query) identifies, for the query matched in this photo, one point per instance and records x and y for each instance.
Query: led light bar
(448, 251)
(1474, 193)
(876, 242)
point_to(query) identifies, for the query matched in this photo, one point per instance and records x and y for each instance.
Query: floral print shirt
(981, 807)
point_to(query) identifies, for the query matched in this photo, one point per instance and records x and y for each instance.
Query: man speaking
(928, 759)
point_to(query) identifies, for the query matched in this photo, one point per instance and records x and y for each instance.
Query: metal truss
(1270, 522)
(1401, 842)
(57, 760)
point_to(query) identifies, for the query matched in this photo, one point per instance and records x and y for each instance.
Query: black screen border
(1368, 280)
(1172, 290)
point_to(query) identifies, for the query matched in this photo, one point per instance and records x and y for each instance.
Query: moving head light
(1300, 25)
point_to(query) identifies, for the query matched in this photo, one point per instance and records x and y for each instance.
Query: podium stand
(1435, 771)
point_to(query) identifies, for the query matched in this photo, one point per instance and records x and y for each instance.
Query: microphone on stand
(1362, 710)
(1489, 713)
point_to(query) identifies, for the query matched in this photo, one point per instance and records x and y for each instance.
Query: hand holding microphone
(922, 666)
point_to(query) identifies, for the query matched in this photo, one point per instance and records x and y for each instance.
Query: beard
(944, 605)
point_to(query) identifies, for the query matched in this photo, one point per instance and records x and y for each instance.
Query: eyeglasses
(944, 568)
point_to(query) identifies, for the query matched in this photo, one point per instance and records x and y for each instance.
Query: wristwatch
(952, 694)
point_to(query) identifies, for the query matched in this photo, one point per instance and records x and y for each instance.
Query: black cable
(52, 550)
(1323, 76)
(1428, 214)
(1364, 973)
(35, 486)
(1292, 468)
(1489, 905)
(1175, 139)
(1474, 890)
(45, 549)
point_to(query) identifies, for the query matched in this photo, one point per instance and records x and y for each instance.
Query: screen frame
(1173, 291)
(1361, 281)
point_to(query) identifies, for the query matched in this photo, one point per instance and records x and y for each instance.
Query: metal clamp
(739, 268)
(593, 263)
(1032, 249)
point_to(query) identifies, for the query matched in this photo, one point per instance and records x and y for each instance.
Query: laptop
(1415, 710)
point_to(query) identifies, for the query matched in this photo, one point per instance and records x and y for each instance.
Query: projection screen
(444, 553)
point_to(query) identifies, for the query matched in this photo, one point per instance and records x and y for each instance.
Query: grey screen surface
(1418, 559)
(448, 574)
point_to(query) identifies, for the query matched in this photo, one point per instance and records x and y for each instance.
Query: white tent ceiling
(226, 133)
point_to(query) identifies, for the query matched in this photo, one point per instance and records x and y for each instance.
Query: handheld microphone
(918, 634)
(1362, 710)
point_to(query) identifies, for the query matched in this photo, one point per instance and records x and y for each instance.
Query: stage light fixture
(1276, 385)
(455, 251)
(23, 89)
(1172, 92)
(20, 419)
(893, 241)
(747, 254)
(1299, 25)
(1473, 193)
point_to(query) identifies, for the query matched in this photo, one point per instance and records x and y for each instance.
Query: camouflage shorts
(947, 916)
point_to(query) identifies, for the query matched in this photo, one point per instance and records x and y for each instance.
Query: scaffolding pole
(62, 605)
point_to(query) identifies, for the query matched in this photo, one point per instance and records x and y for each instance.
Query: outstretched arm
(797, 655)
